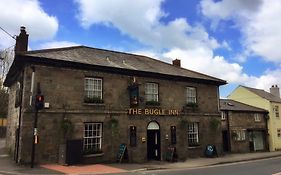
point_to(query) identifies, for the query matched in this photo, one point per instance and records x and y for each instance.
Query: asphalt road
(260, 167)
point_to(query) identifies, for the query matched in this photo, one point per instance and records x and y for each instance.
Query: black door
(225, 141)
(73, 152)
(153, 145)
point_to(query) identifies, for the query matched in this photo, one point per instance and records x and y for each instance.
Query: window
(173, 135)
(93, 90)
(276, 109)
(223, 115)
(193, 134)
(279, 133)
(239, 135)
(151, 92)
(133, 136)
(190, 95)
(92, 137)
(257, 117)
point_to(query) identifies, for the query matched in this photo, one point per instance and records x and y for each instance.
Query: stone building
(244, 127)
(95, 100)
(269, 101)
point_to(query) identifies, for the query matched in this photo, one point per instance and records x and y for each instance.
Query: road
(260, 167)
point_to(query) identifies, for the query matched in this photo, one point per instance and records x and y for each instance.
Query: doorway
(153, 141)
(225, 141)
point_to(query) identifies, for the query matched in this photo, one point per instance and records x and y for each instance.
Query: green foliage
(214, 123)
(67, 127)
(93, 100)
(113, 123)
(183, 124)
(3, 103)
(152, 103)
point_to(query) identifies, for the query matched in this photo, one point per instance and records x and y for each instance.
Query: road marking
(277, 173)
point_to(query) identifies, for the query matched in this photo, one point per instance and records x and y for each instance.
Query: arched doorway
(153, 141)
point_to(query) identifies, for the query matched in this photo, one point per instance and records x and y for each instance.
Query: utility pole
(39, 104)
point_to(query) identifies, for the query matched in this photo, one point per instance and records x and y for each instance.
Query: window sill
(93, 155)
(93, 104)
(194, 147)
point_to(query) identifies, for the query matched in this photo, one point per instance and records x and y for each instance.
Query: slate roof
(232, 105)
(116, 60)
(266, 95)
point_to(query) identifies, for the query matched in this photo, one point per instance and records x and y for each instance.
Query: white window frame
(257, 117)
(92, 139)
(240, 135)
(223, 115)
(279, 133)
(193, 134)
(93, 87)
(276, 110)
(152, 92)
(191, 93)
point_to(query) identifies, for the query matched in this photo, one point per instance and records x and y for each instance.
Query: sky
(234, 40)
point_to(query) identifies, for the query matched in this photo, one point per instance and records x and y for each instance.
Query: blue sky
(235, 40)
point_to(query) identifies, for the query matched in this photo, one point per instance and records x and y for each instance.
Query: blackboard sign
(122, 152)
(170, 154)
(211, 151)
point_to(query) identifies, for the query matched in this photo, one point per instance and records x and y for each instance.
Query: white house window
(92, 137)
(223, 115)
(257, 117)
(93, 90)
(193, 134)
(276, 109)
(151, 92)
(190, 95)
(239, 135)
(279, 133)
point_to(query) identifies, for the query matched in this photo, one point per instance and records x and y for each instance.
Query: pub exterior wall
(63, 89)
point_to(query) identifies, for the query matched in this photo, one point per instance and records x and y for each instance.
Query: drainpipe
(228, 130)
(266, 118)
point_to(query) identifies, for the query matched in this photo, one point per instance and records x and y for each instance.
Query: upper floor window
(223, 115)
(257, 117)
(93, 90)
(193, 134)
(151, 92)
(276, 110)
(191, 95)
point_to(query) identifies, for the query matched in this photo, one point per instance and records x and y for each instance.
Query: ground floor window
(279, 133)
(239, 135)
(92, 138)
(193, 134)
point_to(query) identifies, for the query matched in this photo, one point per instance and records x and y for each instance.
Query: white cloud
(259, 23)
(141, 20)
(28, 13)
(57, 44)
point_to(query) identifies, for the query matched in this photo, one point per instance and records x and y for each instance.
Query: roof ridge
(243, 103)
(123, 53)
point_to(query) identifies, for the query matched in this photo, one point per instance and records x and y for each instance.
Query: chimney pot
(177, 63)
(274, 90)
(21, 41)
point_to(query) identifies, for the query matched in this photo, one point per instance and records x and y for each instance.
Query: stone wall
(63, 89)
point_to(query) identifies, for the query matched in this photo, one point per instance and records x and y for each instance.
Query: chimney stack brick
(21, 41)
(177, 62)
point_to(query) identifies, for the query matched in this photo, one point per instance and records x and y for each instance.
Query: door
(225, 141)
(153, 141)
(258, 140)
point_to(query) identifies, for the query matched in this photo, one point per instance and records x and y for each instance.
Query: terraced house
(269, 101)
(96, 100)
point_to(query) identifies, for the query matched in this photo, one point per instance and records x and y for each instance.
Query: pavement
(8, 165)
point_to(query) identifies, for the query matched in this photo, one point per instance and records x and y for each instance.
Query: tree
(3, 102)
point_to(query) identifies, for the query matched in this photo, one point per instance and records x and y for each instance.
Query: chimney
(274, 90)
(177, 63)
(21, 41)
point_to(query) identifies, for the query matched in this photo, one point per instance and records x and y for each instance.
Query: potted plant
(93, 100)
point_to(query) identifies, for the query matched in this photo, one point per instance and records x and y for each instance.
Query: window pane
(93, 87)
(151, 91)
(191, 95)
(193, 134)
(92, 136)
